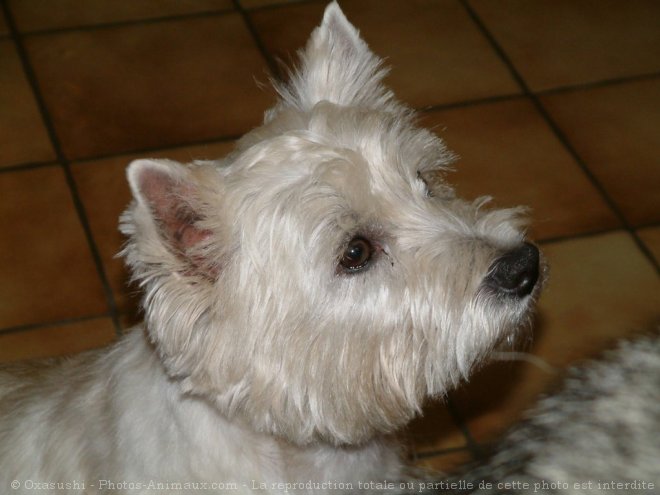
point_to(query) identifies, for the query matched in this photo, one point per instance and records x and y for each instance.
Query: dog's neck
(194, 437)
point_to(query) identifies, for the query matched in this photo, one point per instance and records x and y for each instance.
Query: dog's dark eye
(357, 254)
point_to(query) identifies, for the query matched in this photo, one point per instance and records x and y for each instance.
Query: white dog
(303, 297)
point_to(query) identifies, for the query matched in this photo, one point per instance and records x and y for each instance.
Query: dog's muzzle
(516, 272)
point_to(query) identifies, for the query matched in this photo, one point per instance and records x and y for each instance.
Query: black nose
(516, 272)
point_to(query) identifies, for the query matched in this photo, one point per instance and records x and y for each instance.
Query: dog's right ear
(168, 203)
(336, 66)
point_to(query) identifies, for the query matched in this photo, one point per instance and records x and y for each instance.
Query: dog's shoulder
(25, 377)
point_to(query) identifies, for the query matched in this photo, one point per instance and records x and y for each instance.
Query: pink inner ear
(188, 235)
(167, 199)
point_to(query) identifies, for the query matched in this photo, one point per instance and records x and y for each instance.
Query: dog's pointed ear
(336, 66)
(336, 23)
(167, 197)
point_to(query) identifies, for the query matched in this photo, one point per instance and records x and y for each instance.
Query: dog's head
(324, 279)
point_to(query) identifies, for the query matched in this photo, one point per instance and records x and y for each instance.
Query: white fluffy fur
(597, 435)
(262, 363)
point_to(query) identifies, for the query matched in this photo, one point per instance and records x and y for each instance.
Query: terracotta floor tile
(651, 238)
(600, 288)
(434, 431)
(149, 86)
(443, 464)
(105, 194)
(507, 151)
(557, 43)
(24, 137)
(436, 54)
(45, 14)
(47, 272)
(616, 131)
(56, 340)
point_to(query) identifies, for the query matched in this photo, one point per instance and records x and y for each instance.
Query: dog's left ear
(167, 204)
(336, 66)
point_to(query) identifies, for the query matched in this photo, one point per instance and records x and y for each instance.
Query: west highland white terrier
(303, 298)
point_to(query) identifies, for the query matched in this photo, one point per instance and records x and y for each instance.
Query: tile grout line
(593, 233)
(247, 20)
(559, 134)
(50, 324)
(427, 454)
(471, 444)
(604, 83)
(63, 162)
(119, 154)
(615, 81)
(150, 20)
(470, 103)
(126, 23)
(22, 167)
